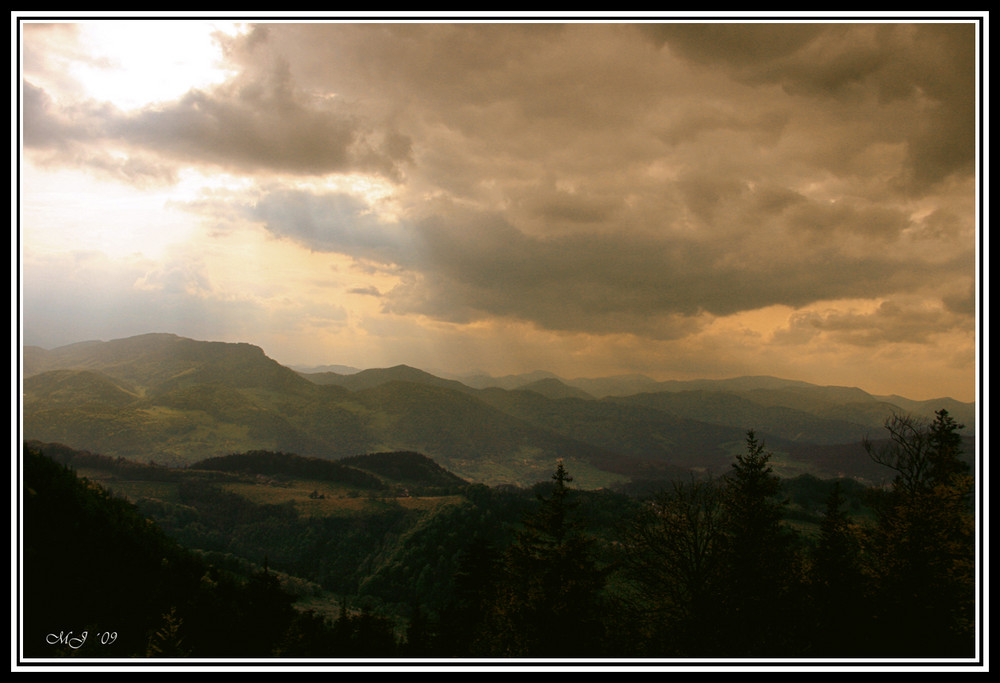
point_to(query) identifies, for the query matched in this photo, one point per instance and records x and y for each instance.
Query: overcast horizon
(682, 201)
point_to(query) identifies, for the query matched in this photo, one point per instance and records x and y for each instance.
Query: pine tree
(922, 547)
(167, 640)
(837, 584)
(751, 501)
(547, 603)
(760, 563)
(946, 466)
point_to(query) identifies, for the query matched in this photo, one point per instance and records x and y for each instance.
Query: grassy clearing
(133, 490)
(530, 467)
(335, 500)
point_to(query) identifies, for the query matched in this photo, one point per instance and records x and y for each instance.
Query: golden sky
(681, 200)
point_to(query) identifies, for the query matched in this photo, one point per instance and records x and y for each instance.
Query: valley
(394, 513)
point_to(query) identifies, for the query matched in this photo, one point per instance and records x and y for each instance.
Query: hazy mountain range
(174, 400)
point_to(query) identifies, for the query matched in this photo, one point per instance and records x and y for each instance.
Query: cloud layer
(652, 181)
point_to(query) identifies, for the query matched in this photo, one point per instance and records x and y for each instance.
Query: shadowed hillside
(164, 398)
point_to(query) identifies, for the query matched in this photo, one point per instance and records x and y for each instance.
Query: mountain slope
(174, 400)
(93, 566)
(474, 439)
(640, 432)
(166, 361)
(733, 410)
(550, 387)
(369, 379)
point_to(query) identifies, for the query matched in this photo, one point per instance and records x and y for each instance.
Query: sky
(588, 197)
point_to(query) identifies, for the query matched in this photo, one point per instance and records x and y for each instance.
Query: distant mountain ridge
(175, 400)
(368, 379)
(851, 409)
(319, 369)
(795, 391)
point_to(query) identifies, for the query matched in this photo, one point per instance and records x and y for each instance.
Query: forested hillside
(100, 580)
(286, 556)
(175, 401)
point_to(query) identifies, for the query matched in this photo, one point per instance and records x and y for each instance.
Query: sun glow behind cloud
(133, 64)
(438, 194)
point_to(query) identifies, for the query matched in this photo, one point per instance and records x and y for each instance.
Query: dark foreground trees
(716, 571)
(548, 599)
(709, 568)
(713, 568)
(760, 591)
(93, 565)
(672, 554)
(838, 605)
(922, 549)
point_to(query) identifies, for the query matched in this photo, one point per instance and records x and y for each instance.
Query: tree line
(706, 567)
(710, 568)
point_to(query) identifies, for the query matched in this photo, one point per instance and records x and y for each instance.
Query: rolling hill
(164, 398)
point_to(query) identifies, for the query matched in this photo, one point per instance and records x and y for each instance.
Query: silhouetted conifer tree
(167, 640)
(548, 600)
(761, 570)
(922, 557)
(837, 586)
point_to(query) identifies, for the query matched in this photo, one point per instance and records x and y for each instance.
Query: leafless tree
(908, 452)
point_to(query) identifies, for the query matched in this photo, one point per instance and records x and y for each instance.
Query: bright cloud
(675, 199)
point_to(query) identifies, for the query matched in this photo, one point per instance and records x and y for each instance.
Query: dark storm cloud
(961, 298)
(694, 119)
(733, 42)
(263, 125)
(892, 322)
(928, 66)
(582, 178)
(599, 282)
(468, 102)
(472, 265)
(338, 223)
(896, 59)
(561, 127)
(558, 207)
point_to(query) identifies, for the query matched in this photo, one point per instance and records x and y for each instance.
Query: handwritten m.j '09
(77, 641)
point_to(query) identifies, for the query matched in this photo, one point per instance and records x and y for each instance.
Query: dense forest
(424, 565)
